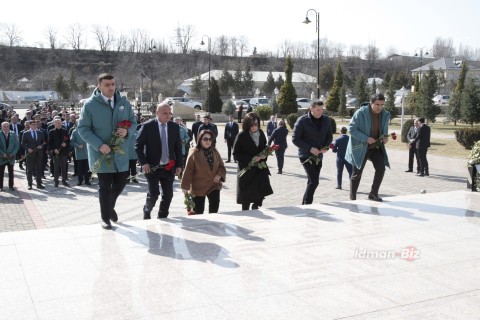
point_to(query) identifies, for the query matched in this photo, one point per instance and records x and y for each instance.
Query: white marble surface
(286, 263)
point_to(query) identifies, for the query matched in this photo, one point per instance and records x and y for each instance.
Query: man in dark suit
(155, 156)
(422, 142)
(231, 131)
(58, 147)
(279, 136)
(412, 149)
(340, 147)
(33, 142)
(272, 125)
(17, 127)
(9, 146)
(195, 127)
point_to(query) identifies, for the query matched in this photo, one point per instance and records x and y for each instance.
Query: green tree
(216, 104)
(248, 81)
(264, 112)
(72, 84)
(226, 82)
(269, 85)
(238, 82)
(61, 86)
(279, 82)
(197, 86)
(453, 112)
(333, 100)
(84, 90)
(426, 108)
(342, 108)
(470, 103)
(229, 107)
(326, 77)
(287, 100)
(373, 88)
(361, 90)
(390, 100)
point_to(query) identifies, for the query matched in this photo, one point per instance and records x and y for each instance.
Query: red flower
(274, 147)
(394, 136)
(170, 165)
(65, 138)
(331, 146)
(125, 124)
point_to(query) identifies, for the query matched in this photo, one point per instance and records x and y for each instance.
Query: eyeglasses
(207, 139)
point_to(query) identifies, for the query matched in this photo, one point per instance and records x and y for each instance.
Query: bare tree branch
(104, 35)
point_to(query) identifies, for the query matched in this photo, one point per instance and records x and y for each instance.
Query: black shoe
(56, 184)
(74, 175)
(40, 186)
(51, 175)
(114, 216)
(88, 183)
(79, 183)
(408, 170)
(353, 197)
(65, 183)
(373, 197)
(339, 187)
(106, 225)
(146, 216)
(279, 172)
(228, 161)
(11, 188)
(254, 207)
(135, 180)
(21, 167)
(30, 188)
(420, 174)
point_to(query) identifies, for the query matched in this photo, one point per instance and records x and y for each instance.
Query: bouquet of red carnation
(114, 145)
(313, 159)
(394, 136)
(378, 143)
(167, 167)
(268, 151)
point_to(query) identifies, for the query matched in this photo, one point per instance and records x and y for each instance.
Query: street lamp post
(275, 102)
(403, 109)
(307, 21)
(209, 64)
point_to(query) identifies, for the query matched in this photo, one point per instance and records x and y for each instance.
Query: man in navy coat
(279, 136)
(339, 147)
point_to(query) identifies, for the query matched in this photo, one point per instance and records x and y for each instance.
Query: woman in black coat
(254, 185)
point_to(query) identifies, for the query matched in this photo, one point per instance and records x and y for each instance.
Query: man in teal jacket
(107, 142)
(368, 135)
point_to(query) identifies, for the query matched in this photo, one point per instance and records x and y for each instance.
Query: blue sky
(404, 25)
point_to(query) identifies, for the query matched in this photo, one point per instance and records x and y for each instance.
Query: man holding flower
(368, 135)
(106, 121)
(312, 134)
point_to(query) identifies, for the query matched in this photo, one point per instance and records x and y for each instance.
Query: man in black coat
(231, 131)
(312, 134)
(33, 142)
(412, 149)
(272, 125)
(155, 156)
(279, 137)
(340, 148)
(422, 143)
(17, 127)
(58, 148)
(195, 127)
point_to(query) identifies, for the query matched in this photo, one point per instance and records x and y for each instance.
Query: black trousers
(110, 185)
(10, 174)
(412, 152)
(378, 161)
(60, 165)
(313, 176)
(165, 178)
(239, 116)
(132, 167)
(280, 154)
(34, 167)
(213, 202)
(422, 157)
(83, 168)
(341, 163)
(229, 149)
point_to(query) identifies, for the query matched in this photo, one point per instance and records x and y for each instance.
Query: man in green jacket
(368, 135)
(106, 122)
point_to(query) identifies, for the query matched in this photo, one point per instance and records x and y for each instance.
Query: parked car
(304, 102)
(255, 102)
(184, 101)
(352, 103)
(4, 106)
(441, 100)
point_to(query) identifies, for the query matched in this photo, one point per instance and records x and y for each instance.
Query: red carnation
(170, 165)
(125, 124)
(331, 146)
(394, 136)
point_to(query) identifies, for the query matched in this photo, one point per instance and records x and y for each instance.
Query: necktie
(6, 138)
(164, 159)
(34, 135)
(110, 102)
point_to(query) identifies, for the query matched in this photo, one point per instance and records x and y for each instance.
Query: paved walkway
(56, 207)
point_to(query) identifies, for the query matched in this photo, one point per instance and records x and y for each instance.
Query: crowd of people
(108, 140)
